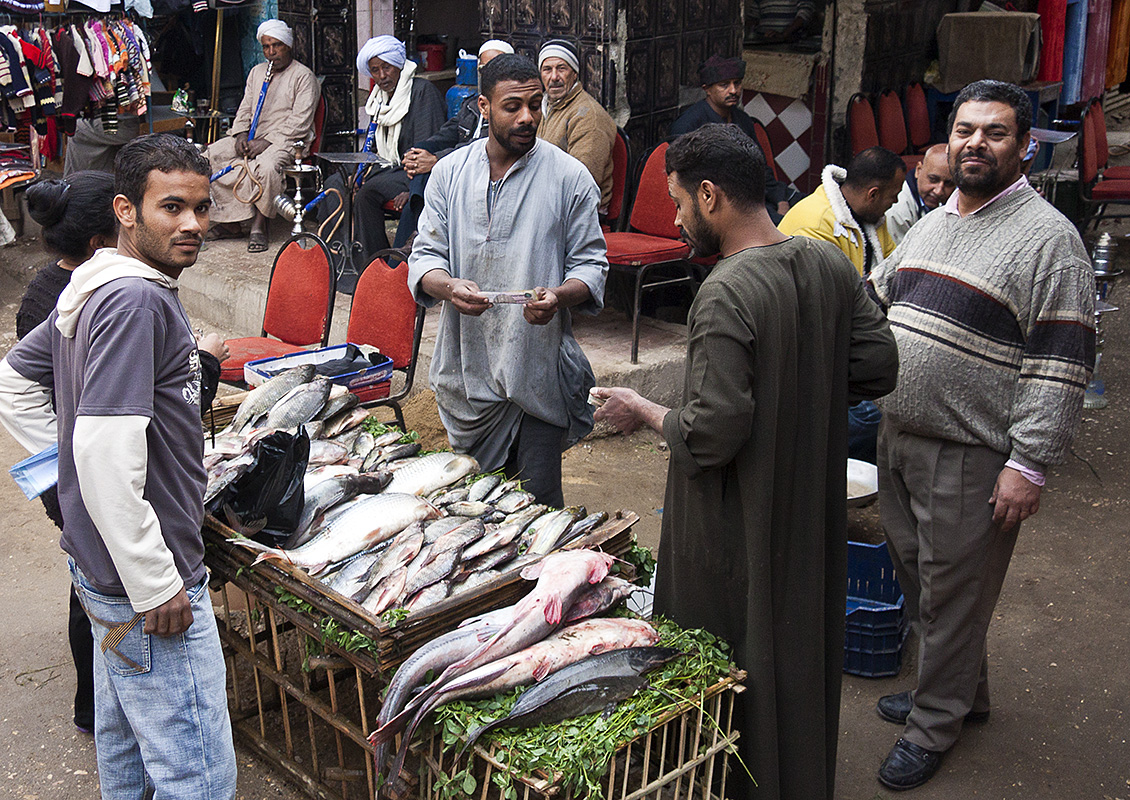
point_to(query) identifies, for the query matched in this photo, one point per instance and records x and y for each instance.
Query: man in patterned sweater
(990, 298)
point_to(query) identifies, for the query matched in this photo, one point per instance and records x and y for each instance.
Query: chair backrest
(319, 128)
(892, 123)
(1102, 147)
(1088, 152)
(300, 295)
(384, 312)
(766, 147)
(621, 158)
(653, 210)
(917, 116)
(861, 124)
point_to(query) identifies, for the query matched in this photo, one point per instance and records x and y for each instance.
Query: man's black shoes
(908, 766)
(896, 708)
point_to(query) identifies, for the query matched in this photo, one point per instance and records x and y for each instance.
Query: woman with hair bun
(77, 217)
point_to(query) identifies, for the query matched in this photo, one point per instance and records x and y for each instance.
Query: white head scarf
(497, 44)
(387, 48)
(276, 29)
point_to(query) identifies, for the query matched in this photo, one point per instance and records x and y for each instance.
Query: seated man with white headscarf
(404, 110)
(282, 109)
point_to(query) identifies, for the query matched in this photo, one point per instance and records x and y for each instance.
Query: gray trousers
(535, 457)
(951, 561)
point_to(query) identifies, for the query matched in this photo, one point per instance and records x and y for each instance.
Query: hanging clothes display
(1052, 17)
(1118, 52)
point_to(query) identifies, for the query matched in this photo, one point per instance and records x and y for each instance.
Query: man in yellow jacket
(847, 210)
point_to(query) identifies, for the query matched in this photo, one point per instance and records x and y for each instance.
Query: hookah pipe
(250, 135)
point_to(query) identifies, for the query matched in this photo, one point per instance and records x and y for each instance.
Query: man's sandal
(257, 242)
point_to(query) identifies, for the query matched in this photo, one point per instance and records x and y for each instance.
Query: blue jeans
(863, 430)
(161, 709)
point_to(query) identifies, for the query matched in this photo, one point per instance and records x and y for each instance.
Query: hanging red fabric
(1053, 21)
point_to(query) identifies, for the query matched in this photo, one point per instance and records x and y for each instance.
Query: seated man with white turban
(282, 109)
(404, 110)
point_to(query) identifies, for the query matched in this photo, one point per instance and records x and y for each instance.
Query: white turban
(559, 48)
(497, 44)
(276, 29)
(387, 48)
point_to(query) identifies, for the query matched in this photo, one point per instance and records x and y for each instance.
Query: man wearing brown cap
(722, 81)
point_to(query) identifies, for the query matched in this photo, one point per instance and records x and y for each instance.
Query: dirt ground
(1058, 647)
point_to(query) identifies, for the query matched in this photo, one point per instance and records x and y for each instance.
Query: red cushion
(1111, 190)
(912, 162)
(251, 348)
(634, 249)
(1116, 173)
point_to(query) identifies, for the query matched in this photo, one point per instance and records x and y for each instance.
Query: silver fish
(300, 404)
(325, 452)
(503, 489)
(501, 536)
(316, 475)
(401, 551)
(474, 580)
(428, 596)
(446, 498)
(489, 560)
(431, 472)
(387, 593)
(460, 537)
(438, 565)
(328, 494)
(346, 580)
(389, 437)
(362, 444)
(441, 526)
(525, 516)
(550, 530)
(583, 527)
(482, 487)
(514, 501)
(227, 474)
(601, 597)
(466, 508)
(394, 452)
(260, 399)
(337, 402)
(370, 521)
(343, 421)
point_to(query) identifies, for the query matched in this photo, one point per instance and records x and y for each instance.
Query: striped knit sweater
(994, 318)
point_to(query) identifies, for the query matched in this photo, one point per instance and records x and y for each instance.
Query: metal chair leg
(636, 315)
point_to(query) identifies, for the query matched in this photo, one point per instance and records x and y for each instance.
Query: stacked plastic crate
(876, 618)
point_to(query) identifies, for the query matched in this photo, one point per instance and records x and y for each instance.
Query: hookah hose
(370, 139)
(335, 216)
(257, 187)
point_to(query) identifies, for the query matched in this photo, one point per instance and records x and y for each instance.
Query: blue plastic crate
(876, 623)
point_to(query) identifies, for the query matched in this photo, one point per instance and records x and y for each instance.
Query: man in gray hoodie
(120, 354)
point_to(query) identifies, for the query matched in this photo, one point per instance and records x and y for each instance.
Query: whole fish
(328, 494)
(474, 580)
(437, 566)
(501, 536)
(478, 491)
(260, 399)
(503, 489)
(435, 656)
(372, 458)
(400, 552)
(583, 527)
(514, 501)
(550, 529)
(601, 597)
(561, 578)
(391, 436)
(313, 429)
(527, 665)
(226, 474)
(459, 537)
(337, 402)
(428, 596)
(446, 498)
(344, 421)
(436, 529)
(525, 516)
(431, 472)
(324, 452)
(316, 475)
(466, 508)
(370, 521)
(583, 687)
(396, 452)
(490, 560)
(362, 445)
(346, 580)
(386, 593)
(300, 404)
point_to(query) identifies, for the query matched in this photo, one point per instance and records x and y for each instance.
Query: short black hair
(873, 166)
(155, 151)
(723, 155)
(73, 211)
(988, 91)
(506, 67)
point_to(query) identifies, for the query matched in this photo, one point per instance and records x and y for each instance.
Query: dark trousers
(535, 458)
(367, 210)
(410, 216)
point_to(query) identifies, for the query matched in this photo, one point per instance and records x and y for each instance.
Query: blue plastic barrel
(455, 97)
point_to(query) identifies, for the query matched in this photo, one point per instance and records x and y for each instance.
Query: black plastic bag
(272, 489)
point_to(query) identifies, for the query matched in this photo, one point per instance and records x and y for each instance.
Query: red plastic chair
(1096, 191)
(1102, 146)
(620, 160)
(892, 127)
(862, 132)
(319, 130)
(652, 241)
(385, 315)
(300, 305)
(766, 147)
(917, 118)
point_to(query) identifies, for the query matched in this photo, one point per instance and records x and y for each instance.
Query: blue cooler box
(368, 384)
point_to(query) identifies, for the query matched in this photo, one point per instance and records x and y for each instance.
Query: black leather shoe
(908, 766)
(896, 708)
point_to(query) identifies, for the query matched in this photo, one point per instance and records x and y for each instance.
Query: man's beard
(704, 241)
(985, 184)
(159, 251)
(508, 144)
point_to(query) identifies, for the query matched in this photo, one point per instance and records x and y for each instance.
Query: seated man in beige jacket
(572, 118)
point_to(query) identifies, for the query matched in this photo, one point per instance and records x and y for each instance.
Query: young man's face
(513, 112)
(689, 219)
(724, 94)
(168, 228)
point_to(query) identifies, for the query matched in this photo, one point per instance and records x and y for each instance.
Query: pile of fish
(382, 524)
(550, 638)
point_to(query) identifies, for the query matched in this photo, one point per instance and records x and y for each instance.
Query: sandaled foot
(222, 230)
(257, 242)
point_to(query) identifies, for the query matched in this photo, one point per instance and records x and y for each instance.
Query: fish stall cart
(327, 681)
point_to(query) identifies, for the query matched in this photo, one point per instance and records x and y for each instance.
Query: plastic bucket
(433, 56)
